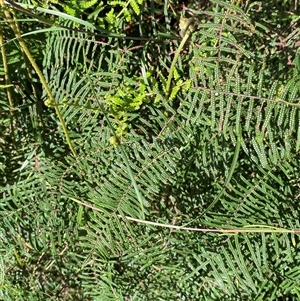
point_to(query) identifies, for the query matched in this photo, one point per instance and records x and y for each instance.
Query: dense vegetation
(125, 176)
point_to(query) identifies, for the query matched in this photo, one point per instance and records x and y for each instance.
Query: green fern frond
(222, 155)
(87, 4)
(111, 16)
(135, 6)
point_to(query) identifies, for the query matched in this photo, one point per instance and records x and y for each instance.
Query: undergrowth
(123, 178)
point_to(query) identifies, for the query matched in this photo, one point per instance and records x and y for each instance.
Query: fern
(71, 7)
(221, 156)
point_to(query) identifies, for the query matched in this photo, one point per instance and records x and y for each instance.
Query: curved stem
(39, 73)
(186, 36)
(8, 85)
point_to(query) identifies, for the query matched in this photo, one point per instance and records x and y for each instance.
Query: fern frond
(222, 155)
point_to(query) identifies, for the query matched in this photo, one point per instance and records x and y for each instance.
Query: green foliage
(94, 9)
(71, 7)
(221, 154)
(125, 5)
(128, 99)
